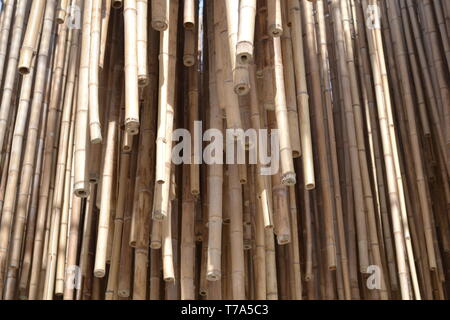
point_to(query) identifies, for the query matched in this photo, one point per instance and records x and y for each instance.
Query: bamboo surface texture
(225, 149)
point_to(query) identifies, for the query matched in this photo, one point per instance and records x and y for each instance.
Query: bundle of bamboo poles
(93, 205)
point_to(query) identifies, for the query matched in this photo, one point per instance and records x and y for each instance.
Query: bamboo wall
(92, 207)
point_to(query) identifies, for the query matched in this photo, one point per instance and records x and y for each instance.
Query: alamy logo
(73, 19)
(374, 280)
(373, 17)
(236, 143)
(73, 277)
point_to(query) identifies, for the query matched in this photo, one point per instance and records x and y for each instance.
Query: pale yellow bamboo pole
(160, 14)
(271, 267)
(68, 195)
(302, 94)
(107, 185)
(94, 59)
(189, 14)
(281, 210)
(81, 150)
(131, 67)
(260, 254)
(167, 66)
(167, 247)
(10, 75)
(239, 78)
(30, 41)
(61, 11)
(246, 35)
(142, 26)
(190, 55)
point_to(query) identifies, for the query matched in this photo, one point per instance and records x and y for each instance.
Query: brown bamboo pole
(189, 57)
(302, 94)
(81, 150)
(193, 105)
(5, 26)
(246, 35)
(61, 11)
(322, 148)
(160, 14)
(187, 253)
(9, 77)
(94, 59)
(30, 41)
(131, 67)
(274, 18)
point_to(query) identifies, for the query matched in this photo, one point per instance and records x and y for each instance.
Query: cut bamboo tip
(117, 4)
(26, 55)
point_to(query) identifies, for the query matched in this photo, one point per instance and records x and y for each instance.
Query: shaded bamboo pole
(31, 40)
(189, 57)
(193, 105)
(246, 35)
(94, 59)
(236, 235)
(81, 150)
(6, 19)
(322, 148)
(108, 181)
(343, 72)
(187, 254)
(10, 75)
(160, 14)
(383, 100)
(142, 34)
(131, 67)
(412, 126)
(106, 14)
(239, 78)
(302, 94)
(260, 254)
(215, 172)
(142, 214)
(60, 174)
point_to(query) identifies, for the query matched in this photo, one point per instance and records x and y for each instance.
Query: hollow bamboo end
(155, 245)
(189, 60)
(244, 52)
(124, 293)
(117, 4)
(242, 89)
(81, 192)
(26, 55)
(203, 293)
(214, 275)
(132, 127)
(310, 186)
(169, 279)
(275, 31)
(142, 81)
(296, 154)
(159, 215)
(283, 239)
(61, 16)
(289, 179)
(99, 273)
(159, 25)
(189, 25)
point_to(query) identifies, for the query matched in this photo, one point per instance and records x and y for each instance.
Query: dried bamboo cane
(274, 18)
(7, 15)
(160, 14)
(81, 150)
(142, 21)
(61, 11)
(246, 35)
(30, 41)
(131, 67)
(106, 13)
(94, 59)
